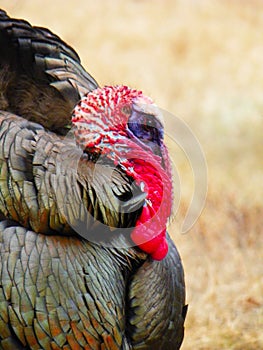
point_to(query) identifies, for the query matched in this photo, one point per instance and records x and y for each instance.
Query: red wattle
(161, 252)
(150, 231)
(157, 247)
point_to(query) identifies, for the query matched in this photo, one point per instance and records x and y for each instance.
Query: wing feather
(41, 77)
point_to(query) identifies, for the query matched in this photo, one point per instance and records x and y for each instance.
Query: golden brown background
(203, 62)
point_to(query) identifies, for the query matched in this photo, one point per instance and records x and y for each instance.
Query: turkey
(85, 194)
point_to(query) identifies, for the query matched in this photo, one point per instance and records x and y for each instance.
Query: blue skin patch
(147, 129)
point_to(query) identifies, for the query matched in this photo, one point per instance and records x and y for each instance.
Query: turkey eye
(149, 128)
(148, 124)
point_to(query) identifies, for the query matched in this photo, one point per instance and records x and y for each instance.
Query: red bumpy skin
(101, 120)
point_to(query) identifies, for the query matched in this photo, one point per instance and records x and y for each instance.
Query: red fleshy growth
(150, 231)
(157, 247)
(161, 252)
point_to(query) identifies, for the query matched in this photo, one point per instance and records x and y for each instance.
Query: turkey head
(123, 125)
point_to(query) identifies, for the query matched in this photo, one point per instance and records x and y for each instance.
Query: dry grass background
(202, 61)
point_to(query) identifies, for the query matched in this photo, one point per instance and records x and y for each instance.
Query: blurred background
(201, 61)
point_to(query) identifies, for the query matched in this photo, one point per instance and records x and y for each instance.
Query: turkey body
(61, 288)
